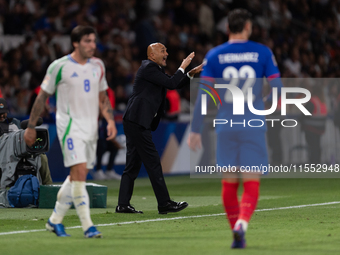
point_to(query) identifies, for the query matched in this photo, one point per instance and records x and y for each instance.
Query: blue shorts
(242, 148)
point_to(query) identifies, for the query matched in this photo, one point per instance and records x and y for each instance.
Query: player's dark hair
(237, 19)
(79, 31)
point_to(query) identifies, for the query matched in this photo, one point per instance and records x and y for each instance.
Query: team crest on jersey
(96, 73)
(73, 156)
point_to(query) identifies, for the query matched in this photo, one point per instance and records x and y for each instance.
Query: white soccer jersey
(77, 90)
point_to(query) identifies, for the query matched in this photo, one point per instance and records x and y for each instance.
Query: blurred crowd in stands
(303, 34)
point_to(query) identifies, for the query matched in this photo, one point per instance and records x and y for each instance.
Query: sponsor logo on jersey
(74, 75)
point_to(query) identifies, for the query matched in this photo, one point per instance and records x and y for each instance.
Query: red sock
(230, 201)
(249, 199)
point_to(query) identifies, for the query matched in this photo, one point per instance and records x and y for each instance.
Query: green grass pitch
(295, 230)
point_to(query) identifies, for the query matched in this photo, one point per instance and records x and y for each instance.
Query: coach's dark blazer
(147, 102)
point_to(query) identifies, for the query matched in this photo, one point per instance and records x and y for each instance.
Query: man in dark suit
(142, 115)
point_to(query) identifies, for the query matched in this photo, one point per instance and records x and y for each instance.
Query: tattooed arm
(107, 112)
(38, 107)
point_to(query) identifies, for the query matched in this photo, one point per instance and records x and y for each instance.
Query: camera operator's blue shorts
(242, 149)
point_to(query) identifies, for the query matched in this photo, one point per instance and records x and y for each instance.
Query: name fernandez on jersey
(238, 57)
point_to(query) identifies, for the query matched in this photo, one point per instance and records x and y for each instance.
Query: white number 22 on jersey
(246, 72)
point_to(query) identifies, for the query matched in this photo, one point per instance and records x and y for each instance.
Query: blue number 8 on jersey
(87, 85)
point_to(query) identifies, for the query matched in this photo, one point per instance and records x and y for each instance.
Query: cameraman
(12, 124)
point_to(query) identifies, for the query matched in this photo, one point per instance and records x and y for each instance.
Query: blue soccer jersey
(241, 63)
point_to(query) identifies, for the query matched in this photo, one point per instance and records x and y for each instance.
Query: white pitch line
(174, 218)
(297, 206)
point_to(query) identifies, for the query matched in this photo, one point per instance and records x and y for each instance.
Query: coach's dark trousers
(141, 149)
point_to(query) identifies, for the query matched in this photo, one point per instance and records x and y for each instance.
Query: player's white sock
(243, 223)
(81, 202)
(64, 202)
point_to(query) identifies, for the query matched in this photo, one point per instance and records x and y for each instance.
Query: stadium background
(303, 35)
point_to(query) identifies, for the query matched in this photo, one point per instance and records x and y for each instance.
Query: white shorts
(76, 150)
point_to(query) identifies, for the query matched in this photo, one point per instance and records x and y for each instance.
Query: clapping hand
(186, 62)
(196, 70)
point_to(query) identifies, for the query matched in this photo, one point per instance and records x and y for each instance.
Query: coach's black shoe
(126, 209)
(172, 206)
